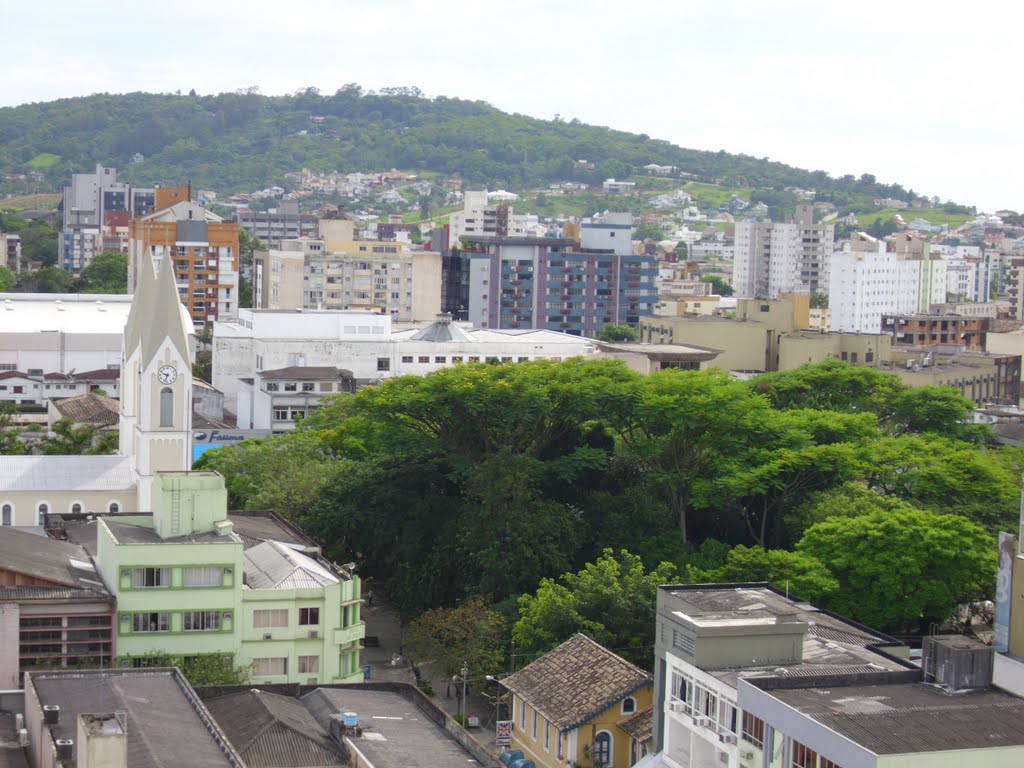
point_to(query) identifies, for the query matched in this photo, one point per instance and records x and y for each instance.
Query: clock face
(166, 374)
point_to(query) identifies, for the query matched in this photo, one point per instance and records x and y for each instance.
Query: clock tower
(156, 381)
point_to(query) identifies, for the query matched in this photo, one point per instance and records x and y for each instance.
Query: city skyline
(897, 91)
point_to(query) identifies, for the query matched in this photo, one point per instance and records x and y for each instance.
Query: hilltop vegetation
(243, 141)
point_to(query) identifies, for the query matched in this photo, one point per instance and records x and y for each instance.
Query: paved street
(387, 663)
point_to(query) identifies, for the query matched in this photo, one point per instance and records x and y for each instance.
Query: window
(456, 358)
(76, 508)
(273, 386)
(439, 359)
(43, 510)
(280, 414)
(270, 666)
(603, 749)
(628, 705)
(202, 621)
(753, 730)
(309, 616)
(143, 578)
(114, 507)
(7, 515)
(522, 715)
(547, 736)
(383, 364)
(803, 757)
(166, 407)
(291, 386)
(309, 665)
(558, 746)
(406, 358)
(307, 386)
(204, 576)
(533, 728)
(424, 358)
(149, 622)
(824, 762)
(270, 617)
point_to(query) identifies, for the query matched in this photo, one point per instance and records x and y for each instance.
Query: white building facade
(773, 257)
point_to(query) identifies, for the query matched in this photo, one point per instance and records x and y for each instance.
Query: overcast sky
(926, 94)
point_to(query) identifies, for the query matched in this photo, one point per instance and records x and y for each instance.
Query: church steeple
(157, 381)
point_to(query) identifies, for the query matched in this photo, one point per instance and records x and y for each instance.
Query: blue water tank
(510, 756)
(349, 719)
(522, 763)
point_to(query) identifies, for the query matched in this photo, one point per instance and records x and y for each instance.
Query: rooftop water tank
(510, 756)
(349, 719)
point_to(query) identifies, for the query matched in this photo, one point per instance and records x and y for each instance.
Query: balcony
(349, 634)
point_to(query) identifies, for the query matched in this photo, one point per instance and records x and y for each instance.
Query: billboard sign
(1004, 587)
(503, 733)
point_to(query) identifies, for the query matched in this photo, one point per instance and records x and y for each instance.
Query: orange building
(204, 249)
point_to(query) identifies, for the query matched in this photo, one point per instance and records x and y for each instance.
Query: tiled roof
(13, 375)
(273, 731)
(89, 409)
(273, 565)
(577, 680)
(105, 374)
(67, 473)
(255, 527)
(639, 725)
(56, 377)
(307, 373)
(43, 558)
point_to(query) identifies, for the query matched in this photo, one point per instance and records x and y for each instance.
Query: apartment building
(932, 330)
(871, 278)
(481, 218)
(770, 258)
(202, 248)
(275, 226)
(10, 251)
(96, 209)
(748, 676)
(360, 275)
(556, 284)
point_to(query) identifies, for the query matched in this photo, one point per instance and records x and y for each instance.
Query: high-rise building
(274, 227)
(202, 247)
(481, 218)
(791, 257)
(96, 209)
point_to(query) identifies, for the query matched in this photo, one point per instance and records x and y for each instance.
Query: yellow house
(581, 705)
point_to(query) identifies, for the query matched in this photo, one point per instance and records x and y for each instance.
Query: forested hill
(244, 140)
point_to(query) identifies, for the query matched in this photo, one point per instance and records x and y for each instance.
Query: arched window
(76, 508)
(603, 749)
(114, 507)
(166, 407)
(41, 511)
(7, 514)
(628, 705)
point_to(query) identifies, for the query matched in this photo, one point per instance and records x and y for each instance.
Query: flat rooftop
(66, 312)
(395, 732)
(832, 645)
(913, 717)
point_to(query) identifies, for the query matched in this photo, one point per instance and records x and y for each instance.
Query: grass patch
(933, 216)
(43, 160)
(41, 201)
(712, 195)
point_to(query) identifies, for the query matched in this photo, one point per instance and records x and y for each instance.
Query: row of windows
(278, 665)
(43, 508)
(193, 576)
(267, 618)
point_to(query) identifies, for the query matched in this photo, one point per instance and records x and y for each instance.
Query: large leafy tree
(470, 634)
(106, 273)
(904, 568)
(612, 600)
(795, 572)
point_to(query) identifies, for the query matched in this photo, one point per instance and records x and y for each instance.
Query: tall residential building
(202, 248)
(369, 275)
(555, 284)
(10, 251)
(772, 258)
(869, 279)
(481, 218)
(96, 206)
(275, 226)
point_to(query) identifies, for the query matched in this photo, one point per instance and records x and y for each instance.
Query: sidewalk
(387, 663)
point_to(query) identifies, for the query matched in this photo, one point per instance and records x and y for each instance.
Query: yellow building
(580, 704)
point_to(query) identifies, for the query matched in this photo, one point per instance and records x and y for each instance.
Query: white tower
(156, 382)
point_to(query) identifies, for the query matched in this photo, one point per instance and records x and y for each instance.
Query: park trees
(106, 273)
(902, 568)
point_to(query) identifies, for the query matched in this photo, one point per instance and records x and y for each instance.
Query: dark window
(309, 616)
(383, 364)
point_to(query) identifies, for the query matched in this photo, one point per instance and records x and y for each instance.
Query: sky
(923, 94)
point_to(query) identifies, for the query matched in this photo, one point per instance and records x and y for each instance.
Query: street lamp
(455, 679)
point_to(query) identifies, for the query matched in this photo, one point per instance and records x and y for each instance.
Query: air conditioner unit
(677, 706)
(702, 721)
(747, 755)
(727, 738)
(314, 633)
(268, 636)
(22, 737)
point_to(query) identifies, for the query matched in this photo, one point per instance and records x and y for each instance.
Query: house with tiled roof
(92, 409)
(569, 705)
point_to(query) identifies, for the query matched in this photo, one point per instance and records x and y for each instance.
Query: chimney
(102, 741)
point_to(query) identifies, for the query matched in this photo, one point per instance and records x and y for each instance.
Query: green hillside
(242, 141)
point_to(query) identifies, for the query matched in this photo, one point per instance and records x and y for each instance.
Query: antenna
(787, 589)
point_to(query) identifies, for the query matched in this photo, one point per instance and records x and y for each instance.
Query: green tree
(470, 634)
(613, 332)
(611, 600)
(7, 279)
(649, 232)
(106, 273)
(247, 246)
(903, 568)
(70, 439)
(795, 572)
(46, 280)
(204, 669)
(11, 443)
(721, 288)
